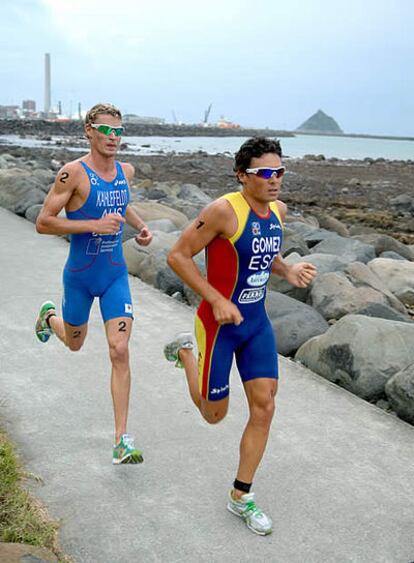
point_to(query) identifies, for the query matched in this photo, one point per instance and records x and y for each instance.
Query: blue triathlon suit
(95, 266)
(239, 267)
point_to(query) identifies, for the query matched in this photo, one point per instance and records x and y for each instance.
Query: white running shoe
(246, 508)
(182, 340)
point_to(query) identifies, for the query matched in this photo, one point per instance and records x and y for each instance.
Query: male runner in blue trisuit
(242, 235)
(94, 191)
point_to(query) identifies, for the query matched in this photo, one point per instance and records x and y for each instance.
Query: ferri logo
(249, 295)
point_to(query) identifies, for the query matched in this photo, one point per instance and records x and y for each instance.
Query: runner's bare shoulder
(128, 170)
(69, 175)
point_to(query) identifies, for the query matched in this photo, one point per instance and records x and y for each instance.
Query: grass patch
(22, 518)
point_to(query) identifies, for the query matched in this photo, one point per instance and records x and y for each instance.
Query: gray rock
(397, 276)
(318, 236)
(293, 322)
(146, 262)
(150, 210)
(347, 248)
(165, 225)
(32, 197)
(361, 275)
(323, 262)
(360, 230)
(45, 178)
(32, 212)
(403, 202)
(293, 242)
(301, 228)
(17, 186)
(336, 294)
(168, 282)
(144, 169)
(400, 393)
(391, 254)
(154, 193)
(192, 193)
(333, 224)
(383, 243)
(381, 311)
(360, 353)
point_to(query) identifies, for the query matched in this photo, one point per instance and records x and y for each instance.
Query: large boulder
(45, 178)
(323, 262)
(32, 212)
(293, 242)
(336, 294)
(391, 254)
(400, 393)
(397, 276)
(19, 190)
(146, 262)
(187, 198)
(360, 353)
(293, 322)
(151, 210)
(332, 224)
(318, 236)
(382, 311)
(301, 228)
(165, 225)
(347, 248)
(384, 243)
(403, 204)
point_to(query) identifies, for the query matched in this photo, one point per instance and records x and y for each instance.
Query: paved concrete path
(338, 476)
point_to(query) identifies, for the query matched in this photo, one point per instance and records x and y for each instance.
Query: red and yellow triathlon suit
(239, 268)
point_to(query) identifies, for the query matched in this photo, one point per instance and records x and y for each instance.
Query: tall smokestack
(47, 83)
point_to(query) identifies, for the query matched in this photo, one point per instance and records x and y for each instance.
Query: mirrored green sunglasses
(107, 129)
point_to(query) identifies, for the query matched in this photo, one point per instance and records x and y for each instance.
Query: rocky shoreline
(353, 219)
(75, 128)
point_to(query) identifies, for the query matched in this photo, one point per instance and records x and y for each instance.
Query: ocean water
(339, 147)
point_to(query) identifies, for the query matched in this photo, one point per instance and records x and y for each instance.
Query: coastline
(356, 136)
(364, 194)
(75, 127)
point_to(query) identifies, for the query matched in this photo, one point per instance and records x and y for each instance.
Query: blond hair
(101, 108)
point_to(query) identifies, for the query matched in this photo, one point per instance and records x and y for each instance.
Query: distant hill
(319, 122)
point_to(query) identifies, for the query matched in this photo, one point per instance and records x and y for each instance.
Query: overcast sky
(263, 63)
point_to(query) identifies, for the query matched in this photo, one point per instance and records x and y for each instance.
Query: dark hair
(254, 148)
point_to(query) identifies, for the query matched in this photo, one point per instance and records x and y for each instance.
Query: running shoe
(42, 329)
(182, 340)
(126, 452)
(246, 508)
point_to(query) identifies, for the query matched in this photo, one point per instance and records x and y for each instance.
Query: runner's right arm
(210, 224)
(64, 188)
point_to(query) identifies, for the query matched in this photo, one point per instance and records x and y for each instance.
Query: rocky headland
(353, 219)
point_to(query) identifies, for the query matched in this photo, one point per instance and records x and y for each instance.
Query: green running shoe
(42, 329)
(246, 508)
(182, 340)
(126, 452)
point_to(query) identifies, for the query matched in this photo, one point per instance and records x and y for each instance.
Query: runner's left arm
(300, 274)
(144, 236)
